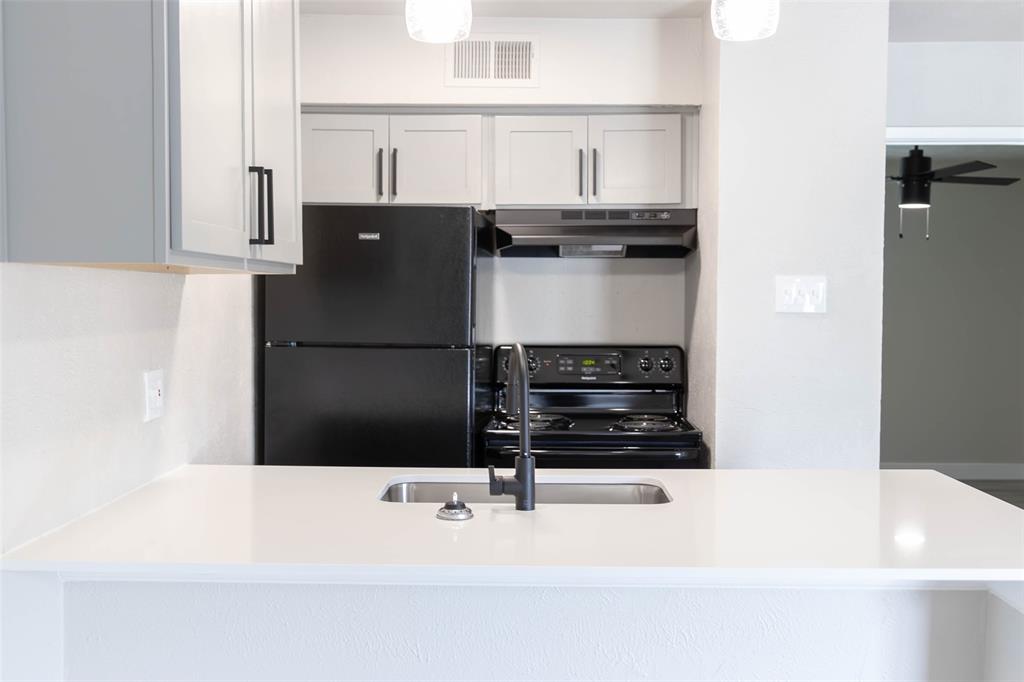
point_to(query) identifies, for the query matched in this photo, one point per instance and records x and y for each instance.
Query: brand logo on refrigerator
(369, 236)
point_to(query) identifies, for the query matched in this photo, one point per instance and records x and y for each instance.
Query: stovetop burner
(542, 422)
(645, 423)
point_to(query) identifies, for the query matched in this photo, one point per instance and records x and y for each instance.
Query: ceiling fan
(916, 178)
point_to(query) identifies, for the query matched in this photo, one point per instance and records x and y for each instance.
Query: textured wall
(953, 385)
(702, 266)
(801, 191)
(581, 61)
(554, 300)
(956, 84)
(147, 631)
(74, 345)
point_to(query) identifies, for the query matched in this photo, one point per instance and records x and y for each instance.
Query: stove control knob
(532, 364)
(646, 364)
(666, 364)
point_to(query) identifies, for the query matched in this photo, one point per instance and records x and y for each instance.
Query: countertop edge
(520, 576)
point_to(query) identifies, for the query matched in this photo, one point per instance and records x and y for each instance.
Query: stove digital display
(590, 365)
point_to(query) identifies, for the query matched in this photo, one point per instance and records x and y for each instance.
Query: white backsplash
(582, 301)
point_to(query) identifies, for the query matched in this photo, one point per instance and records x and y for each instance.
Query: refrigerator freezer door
(376, 275)
(368, 407)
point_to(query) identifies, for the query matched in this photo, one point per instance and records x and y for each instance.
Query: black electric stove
(599, 407)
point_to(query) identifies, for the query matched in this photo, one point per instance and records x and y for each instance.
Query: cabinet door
(540, 160)
(345, 159)
(636, 159)
(435, 159)
(275, 116)
(207, 135)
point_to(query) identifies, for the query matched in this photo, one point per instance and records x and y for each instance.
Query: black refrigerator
(368, 352)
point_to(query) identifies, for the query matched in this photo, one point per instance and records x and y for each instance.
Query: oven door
(603, 458)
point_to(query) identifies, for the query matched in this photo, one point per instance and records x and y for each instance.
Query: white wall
(371, 60)
(702, 267)
(147, 631)
(956, 84)
(802, 160)
(953, 379)
(74, 344)
(567, 301)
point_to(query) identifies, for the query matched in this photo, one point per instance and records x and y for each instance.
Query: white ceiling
(610, 9)
(912, 21)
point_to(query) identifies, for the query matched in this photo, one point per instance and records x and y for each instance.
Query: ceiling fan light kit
(741, 20)
(438, 21)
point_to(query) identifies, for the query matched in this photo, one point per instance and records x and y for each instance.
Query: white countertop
(764, 527)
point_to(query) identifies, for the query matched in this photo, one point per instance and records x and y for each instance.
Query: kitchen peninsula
(204, 534)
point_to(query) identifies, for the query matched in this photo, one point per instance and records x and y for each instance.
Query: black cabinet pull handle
(394, 172)
(259, 203)
(583, 165)
(269, 174)
(595, 171)
(380, 173)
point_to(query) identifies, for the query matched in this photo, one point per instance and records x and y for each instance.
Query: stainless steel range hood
(596, 233)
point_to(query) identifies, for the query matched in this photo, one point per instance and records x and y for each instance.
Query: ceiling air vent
(492, 61)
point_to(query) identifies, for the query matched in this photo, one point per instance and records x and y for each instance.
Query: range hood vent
(596, 233)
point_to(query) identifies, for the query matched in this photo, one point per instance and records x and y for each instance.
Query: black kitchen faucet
(523, 485)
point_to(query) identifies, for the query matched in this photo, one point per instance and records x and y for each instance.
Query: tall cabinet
(156, 135)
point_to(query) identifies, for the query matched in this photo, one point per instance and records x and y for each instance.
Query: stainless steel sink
(439, 492)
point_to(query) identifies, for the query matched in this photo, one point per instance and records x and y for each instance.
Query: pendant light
(438, 21)
(744, 19)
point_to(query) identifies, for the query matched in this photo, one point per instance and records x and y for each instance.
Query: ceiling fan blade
(960, 169)
(978, 181)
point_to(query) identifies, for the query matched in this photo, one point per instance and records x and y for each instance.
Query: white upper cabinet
(538, 160)
(345, 159)
(275, 116)
(168, 105)
(436, 159)
(208, 140)
(541, 160)
(636, 159)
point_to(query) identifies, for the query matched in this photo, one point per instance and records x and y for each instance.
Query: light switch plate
(154, 383)
(801, 294)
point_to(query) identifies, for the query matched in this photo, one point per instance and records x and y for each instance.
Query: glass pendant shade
(438, 21)
(744, 19)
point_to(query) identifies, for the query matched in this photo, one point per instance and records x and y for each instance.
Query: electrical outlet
(801, 294)
(154, 383)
